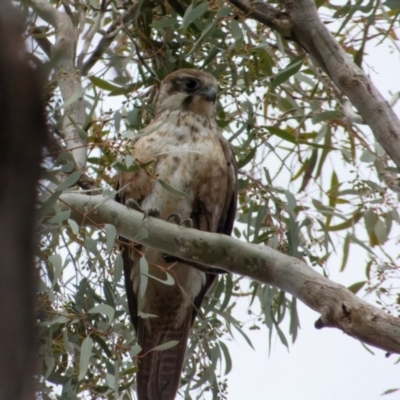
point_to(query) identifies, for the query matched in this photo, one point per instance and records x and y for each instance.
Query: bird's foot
(177, 219)
(133, 204)
(187, 222)
(169, 259)
(151, 212)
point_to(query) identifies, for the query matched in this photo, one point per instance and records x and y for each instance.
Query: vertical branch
(23, 135)
(347, 76)
(68, 79)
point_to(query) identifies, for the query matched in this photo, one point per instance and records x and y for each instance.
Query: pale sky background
(322, 364)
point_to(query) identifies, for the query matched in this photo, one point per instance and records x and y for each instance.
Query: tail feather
(160, 371)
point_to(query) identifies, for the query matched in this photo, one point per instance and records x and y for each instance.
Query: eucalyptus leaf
(71, 180)
(103, 309)
(74, 226)
(56, 261)
(111, 234)
(192, 14)
(84, 359)
(166, 346)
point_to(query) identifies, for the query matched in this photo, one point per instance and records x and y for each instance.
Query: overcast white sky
(322, 364)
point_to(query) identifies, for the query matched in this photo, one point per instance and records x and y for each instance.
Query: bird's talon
(151, 212)
(134, 205)
(168, 258)
(188, 223)
(175, 217)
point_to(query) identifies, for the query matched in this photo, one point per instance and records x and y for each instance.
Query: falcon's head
(188, 90)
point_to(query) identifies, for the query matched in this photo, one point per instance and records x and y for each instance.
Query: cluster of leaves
(310, 181)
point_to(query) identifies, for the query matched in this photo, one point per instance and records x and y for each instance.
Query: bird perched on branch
(188, 173)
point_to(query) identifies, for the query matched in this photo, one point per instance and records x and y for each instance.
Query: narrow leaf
(228, 292)
(247, 158)
(310, 165)
(72, 179)
(81, 132)
(166, 346)
(282, 336)
(144, 271)
(75, 96)
(169, 281)
(60, 217)
(355, 287)
(380, 231)
(192, 14)
(390, 391)
(346, 224)
(56, 261)
(141, 234)
(102, 84)
(294, 319)
(206, 31)
(48, 204)
(111, 234)
(236, 30)
(282, 134)
(327, 116)
(118, 267)
(146, 315)
(74, 226)
(360, 243)
(346, 248)
(240, 330)
(110, 379)
(293, 67)
(227, 356)
(103, 309)
(171, 189)
(163, 23)
(86, 352)
(135, 350)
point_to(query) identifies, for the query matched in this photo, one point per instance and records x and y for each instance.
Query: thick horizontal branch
(338, 307)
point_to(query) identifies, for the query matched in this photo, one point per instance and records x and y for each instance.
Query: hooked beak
(209, 93)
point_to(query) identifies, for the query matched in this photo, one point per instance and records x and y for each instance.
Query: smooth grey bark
(339, 308)
(22, 136)
(69, 81)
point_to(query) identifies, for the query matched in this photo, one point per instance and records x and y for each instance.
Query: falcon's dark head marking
(188, 90)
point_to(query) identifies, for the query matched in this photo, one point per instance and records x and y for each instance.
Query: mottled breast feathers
(188, 153)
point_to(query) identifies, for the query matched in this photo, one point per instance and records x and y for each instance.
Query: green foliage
(310, 182)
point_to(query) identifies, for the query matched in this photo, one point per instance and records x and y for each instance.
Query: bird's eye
(192, 84)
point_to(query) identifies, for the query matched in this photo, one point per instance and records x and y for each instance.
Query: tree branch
(69, 82)
(23, 135)
(267, 15)
(43, 42)
(347, 76)
(339, 308)
(106, 41)
(88, 37)
(306, 27)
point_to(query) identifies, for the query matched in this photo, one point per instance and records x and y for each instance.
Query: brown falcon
(190, 155)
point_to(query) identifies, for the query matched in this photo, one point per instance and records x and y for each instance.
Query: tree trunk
(23, 134)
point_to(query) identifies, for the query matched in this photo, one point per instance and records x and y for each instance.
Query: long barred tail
(160, 371)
